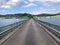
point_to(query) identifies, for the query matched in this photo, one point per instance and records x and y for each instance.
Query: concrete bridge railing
(9, 28)
(53, 32)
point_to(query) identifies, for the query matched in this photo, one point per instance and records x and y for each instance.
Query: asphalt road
(30, 34)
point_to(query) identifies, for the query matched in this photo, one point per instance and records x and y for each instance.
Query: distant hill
(48, 14)
(20, 14)
(57, 14)
(26, 14)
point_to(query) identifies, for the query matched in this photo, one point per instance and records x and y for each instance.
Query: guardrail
(51, 25)
(51, 31)
(54, 31)
(9, 28)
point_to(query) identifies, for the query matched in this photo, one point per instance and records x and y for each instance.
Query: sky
(29, 6)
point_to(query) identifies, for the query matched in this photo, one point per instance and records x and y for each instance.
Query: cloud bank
(9, 4)
(49, 6)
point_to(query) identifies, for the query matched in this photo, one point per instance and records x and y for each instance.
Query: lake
(55, 21)
(4, 22)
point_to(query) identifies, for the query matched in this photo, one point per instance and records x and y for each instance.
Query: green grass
(56, 16)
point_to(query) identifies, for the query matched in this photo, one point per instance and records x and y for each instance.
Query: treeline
(25, 15)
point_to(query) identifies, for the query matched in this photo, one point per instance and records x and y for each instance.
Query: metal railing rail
(9, 28)
(51, 31)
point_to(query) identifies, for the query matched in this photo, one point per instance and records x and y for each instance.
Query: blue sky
(29, 6)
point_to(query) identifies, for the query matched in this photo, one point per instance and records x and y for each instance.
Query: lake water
(55, 21)
(4, 22)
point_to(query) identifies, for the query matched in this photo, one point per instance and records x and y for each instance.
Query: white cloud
(5, 6)
(30, 4)
(54, 1)
(2, 10)
(39, 12)
(12, 2)
(2, 1)
(31, 0)
(26, 2)
(9, 3)
(45, 0)
(52, 11)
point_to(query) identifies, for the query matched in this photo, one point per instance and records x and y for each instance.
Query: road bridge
(31, 33)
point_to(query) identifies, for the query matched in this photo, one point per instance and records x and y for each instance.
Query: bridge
(30, 32)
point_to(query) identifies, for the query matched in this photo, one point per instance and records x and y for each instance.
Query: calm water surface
(55, 21)
(4, 22)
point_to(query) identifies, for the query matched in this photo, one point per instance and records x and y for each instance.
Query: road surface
(30, 34)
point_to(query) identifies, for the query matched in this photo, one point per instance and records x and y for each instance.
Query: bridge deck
(30, 34)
